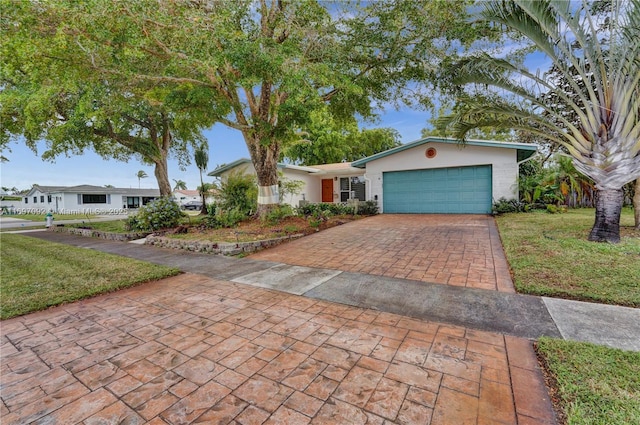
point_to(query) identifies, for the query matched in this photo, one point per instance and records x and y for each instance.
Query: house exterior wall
(312, 189)
(67, 203)
(503, 160)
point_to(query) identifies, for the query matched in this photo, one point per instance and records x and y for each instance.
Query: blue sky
(225, 145)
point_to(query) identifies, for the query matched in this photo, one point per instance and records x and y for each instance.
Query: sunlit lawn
(595, 384)
(37, 274)
(549, 255)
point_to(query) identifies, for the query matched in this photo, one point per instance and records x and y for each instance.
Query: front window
(352, 188)
(94, 199)
(35, 199)
(133, 202)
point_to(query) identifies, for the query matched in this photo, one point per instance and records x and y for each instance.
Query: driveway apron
(194, 349)
(451, 249)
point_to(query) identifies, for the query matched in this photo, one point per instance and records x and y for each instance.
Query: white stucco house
(431, 175)
(182, 196)
(86, 199)
(322, 183)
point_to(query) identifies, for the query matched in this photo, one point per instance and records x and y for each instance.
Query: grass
(119, 226)
(549, 255)
(115, 226)
(41, 217)
(593, 384)
(37, 274)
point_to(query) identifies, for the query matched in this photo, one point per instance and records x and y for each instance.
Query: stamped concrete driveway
(461, 250)
(196, 350)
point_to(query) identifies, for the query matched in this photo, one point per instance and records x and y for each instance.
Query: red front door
(327, 190)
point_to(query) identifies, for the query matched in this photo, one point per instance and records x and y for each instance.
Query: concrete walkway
(237, 343)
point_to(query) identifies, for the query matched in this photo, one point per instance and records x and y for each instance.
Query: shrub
(368, 208)
(555, 209)
(162, 213)
(224, 218)
(504, 205)
(324, 210)
(239, 192)
(280, 212)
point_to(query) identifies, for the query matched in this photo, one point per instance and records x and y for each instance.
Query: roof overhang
(524, 150)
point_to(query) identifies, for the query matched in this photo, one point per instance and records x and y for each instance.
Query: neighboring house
(431, 175)
(183, 196)
(87, 199)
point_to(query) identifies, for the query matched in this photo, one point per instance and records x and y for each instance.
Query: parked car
(192, 205)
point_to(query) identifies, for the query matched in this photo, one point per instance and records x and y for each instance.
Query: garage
(437, 175)
(451, 190)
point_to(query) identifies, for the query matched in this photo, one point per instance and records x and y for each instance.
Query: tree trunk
(162, 175)
(608, 208)
(265, 161)
(203, 209)
(636, 204)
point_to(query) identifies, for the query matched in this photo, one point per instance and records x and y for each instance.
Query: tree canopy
(259, 67)
(325, 141)
(50, 92)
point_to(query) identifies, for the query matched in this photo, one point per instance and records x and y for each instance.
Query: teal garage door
(456, 190)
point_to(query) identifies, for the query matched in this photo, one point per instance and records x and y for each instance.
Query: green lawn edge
(38, 274)
(549, 255)
(593, 384)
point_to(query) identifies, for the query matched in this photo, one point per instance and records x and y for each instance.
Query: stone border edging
(224, 248)
(92, 233)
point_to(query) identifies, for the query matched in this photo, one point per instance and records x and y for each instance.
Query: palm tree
(180, 185)
(603, 93)
(141, 175)
(201, 158)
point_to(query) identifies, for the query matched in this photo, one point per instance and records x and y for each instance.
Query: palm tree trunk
(608, 208)
(636, 204)
(203, 208)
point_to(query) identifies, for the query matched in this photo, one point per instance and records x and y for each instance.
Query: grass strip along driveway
(37, 274)
(593, 384)
(550, 255)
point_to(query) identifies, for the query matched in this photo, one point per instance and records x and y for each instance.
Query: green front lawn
(549, 255)
(115, 226)
(594, 384)
(37, 274)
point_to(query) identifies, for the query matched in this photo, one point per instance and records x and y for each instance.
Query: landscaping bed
(248, 236)
(102, 234)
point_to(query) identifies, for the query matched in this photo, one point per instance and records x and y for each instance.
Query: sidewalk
(518, 315)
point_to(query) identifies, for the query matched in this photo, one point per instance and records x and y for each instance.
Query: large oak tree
(262, 67)
(51, 90)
